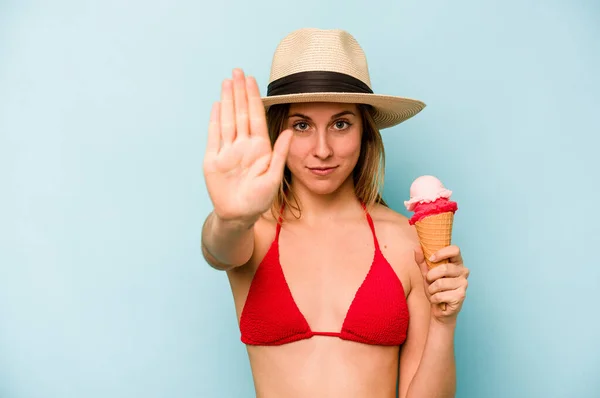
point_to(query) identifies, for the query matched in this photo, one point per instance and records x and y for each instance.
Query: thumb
(280, 152)
(420, 260)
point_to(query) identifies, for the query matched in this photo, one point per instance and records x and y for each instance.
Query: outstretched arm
(242, 171)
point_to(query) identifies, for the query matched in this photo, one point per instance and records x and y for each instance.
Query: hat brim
(389, 110)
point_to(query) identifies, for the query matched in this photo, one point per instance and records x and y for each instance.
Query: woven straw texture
(325, 50)
(334, 50)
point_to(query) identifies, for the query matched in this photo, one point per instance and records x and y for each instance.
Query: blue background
(103, 114)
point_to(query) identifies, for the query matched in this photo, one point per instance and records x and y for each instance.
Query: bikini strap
(369, 220)
(279, 222)
(371, 225)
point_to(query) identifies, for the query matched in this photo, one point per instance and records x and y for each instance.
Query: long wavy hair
(368, 174)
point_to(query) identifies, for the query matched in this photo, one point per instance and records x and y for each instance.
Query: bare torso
(324, 266)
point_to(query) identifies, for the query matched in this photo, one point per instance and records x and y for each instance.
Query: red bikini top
(378, 314)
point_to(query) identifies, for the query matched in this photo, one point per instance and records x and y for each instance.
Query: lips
(321, 171)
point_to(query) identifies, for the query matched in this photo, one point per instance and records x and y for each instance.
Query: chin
(325, 186)
(323, 189)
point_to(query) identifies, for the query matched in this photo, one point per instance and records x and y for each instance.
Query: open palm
(241, 169)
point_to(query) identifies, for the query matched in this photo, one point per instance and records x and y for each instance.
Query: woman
(331, 290)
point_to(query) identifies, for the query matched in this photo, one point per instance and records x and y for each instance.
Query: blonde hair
(368, 174)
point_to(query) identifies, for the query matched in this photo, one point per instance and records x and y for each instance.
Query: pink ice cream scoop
(428, 196)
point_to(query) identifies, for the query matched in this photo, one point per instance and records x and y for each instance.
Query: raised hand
(241, 169)
(446, 284)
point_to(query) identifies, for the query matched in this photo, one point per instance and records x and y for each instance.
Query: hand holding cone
(433, 216)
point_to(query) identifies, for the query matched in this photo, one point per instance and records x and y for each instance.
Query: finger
(240, 101)
(256, 109)
(420, 260)
(214, 131)
(451, 253)
(447, 270)
(449, 296)
(279, 156)
(227, 112)
(444, 284)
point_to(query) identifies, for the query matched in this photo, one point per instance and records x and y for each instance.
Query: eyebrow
(343, 113)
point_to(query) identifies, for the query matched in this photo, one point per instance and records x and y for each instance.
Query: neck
(316, 208)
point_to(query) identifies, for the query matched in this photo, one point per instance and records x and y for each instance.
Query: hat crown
(312, 49)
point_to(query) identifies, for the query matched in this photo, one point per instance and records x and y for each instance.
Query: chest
(324, 269)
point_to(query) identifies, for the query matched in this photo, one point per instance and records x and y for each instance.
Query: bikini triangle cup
(378, 314)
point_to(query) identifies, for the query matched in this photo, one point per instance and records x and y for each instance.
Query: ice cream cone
(433, 216)
(435, 233)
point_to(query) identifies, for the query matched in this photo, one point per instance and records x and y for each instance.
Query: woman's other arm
(427, 363)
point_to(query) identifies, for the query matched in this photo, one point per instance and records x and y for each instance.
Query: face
(325, 146)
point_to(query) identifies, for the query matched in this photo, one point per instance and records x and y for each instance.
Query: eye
(342, 125)
(301, 126)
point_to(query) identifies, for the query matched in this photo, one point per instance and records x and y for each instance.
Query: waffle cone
(435, 233)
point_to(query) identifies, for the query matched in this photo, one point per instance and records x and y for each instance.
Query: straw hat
(316, 65)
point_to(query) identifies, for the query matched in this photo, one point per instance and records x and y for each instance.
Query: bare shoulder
(393, 226)
(264, 233)
(397, 240)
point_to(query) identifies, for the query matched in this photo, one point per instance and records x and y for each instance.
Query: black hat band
(317, 82)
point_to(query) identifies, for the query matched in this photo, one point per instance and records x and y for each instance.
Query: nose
(323, 149)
